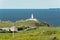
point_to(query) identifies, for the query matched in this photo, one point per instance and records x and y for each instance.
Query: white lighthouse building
(32, 18)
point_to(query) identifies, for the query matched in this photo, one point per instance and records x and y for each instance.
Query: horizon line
(29, 8)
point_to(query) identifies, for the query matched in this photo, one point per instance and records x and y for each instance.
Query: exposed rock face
(13, 29)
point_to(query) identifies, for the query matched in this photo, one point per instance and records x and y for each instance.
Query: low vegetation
(5, 24)
(41, 32)
(20, 23)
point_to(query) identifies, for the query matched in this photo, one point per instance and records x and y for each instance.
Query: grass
(33, 34)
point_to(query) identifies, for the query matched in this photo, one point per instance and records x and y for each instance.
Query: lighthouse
(32, 18)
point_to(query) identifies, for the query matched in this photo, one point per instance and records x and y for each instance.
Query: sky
(29, 4)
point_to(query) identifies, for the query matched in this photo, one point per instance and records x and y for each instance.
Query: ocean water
(51, 16)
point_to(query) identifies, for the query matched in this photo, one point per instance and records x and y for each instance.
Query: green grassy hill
(29, 23)
(41, 33)
(5, 24)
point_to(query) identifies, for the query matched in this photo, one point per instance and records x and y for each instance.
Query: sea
(51, 16)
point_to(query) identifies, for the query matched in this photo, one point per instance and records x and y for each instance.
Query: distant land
(55, 8)
(51, 15)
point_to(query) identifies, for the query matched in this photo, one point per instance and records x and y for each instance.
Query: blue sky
(29, 4)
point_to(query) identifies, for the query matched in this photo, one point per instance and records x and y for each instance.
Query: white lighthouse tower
(32, 18)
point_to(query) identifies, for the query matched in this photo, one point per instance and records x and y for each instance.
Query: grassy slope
(5, 24)
(35, 34)
(22, 23)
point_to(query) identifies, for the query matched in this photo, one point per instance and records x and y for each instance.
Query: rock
(53, 38)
